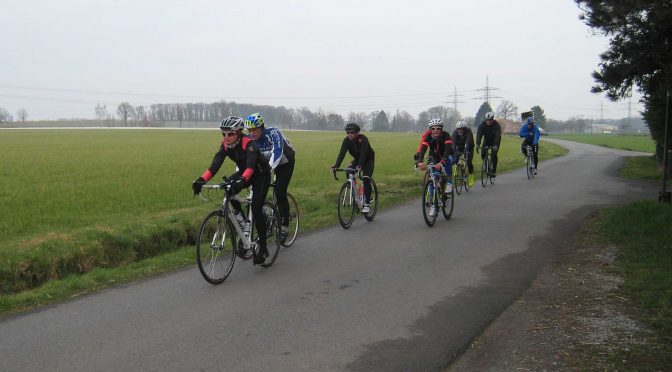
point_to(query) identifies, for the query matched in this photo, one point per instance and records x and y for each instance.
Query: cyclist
(252, 170)
(463, 141)
(279, 153)
(357, 145)
(440, 147)
(491, 133)
(530, 134)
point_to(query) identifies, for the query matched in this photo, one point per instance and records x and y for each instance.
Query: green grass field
(83, 209)
(642, 143)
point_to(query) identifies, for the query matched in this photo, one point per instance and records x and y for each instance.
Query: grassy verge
(642, 232)
(642, 168)
(642, 143)
(96, 208)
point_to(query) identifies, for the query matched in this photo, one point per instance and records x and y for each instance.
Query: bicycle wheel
(294, 222)
(448, 201)
(373, 203)
(215, 247)
(457, 179)
(466, 178)
(485, 169)
(490, 172)
(346, 205)
(429, 202)
(528, 167)
(272, 233)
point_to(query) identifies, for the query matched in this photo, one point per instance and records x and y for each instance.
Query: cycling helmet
(435, 123)
(352, 126)
(489, 115)
(461, 124)
(254, 121)
(530, 120)
(232, 123)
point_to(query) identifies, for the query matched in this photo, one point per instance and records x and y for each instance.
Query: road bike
(221, 238)
(529, 162)
(486, 168)
(460, 177)
(434, 197)
(294, 217)
(351, 197)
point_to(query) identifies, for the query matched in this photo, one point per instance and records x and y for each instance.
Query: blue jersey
(275, 148)
(530, 134)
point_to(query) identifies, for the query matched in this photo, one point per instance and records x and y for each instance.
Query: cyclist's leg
(523, 147)
(367, 170)
(535, 149)
(283, 175)
(447, 167)
(470, 160)
(236, 204)
(494, 160)
(260, 182)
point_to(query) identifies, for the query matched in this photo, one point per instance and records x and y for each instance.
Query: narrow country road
(389, 295)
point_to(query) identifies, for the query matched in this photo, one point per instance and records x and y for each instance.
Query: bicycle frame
(227, 210)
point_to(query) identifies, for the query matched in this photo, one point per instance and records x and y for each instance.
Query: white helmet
(489, 115)
(436, 122)
(461, 124)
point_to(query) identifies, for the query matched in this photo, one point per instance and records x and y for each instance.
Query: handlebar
(347, 171)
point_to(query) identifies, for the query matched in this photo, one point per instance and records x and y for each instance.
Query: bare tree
(125, 110)
(507, 110)
(22, 114)
(5, 116)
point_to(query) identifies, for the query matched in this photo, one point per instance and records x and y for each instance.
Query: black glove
(197, 185)
(237, 186)
(416, 157)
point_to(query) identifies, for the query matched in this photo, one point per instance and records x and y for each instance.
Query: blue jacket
(275, 148)
(530, 134)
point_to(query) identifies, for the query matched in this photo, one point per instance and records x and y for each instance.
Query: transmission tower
(454, 100)
(486, 91)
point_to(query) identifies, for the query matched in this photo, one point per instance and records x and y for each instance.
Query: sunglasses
(228, 134)
(350, 132)
(436, 128)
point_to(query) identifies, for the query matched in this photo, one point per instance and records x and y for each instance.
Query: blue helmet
(530, 120)
(254, 121)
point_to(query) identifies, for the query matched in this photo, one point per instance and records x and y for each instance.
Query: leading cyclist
(280, 155)
(252, 170)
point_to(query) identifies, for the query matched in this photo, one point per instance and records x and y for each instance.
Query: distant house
(602, 128)
(508, 126)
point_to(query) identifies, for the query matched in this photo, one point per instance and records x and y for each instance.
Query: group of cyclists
(265, 150)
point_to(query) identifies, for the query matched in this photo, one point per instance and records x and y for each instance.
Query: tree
(125, 110)
(5, 116)
(359, 118)
(448, 115)
(507, 110)
(402, 122)
(480, 114)
(335, 122)
(381, 123)
(22, 114)
(639, 54)
(539, 116)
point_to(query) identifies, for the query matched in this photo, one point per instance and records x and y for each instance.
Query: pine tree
(480, 114)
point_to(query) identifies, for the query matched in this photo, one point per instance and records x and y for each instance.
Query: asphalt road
(389, 295)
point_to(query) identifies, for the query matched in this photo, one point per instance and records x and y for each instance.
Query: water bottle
(360, 194)
(239, 217)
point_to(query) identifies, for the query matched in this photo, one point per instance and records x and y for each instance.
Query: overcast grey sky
(60, 58)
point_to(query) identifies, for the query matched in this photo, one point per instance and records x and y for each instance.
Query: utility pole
(454, 101)
(666, 196)
(486, 91)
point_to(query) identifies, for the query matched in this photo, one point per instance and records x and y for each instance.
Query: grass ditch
(114, 217)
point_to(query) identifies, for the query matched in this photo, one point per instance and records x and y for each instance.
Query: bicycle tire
(490, 170)
(346, 205)
(457, 180)
(466, 179)
(272, 233)
(450, 199)
(214, 258)
(294, 222)
(528, 167)
(428, 200)
(485, 170)
(373, 203)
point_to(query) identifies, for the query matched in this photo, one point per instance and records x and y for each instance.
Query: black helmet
(352, 126)
(232, 123)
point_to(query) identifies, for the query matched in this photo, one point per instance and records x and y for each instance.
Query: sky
(59, 59)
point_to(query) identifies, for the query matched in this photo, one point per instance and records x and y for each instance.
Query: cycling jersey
(275, 147)
(464, 141)
(440, 148)
(359, 149)
(530, 134)
(245, 154)
(491, 134)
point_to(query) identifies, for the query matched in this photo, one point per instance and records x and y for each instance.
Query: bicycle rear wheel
(346, 205)
(485, 170)
(490, 172)
(215, 247)
(429, 201)
(448, 201)
(271, 217)
(373, 203)
(294, 222)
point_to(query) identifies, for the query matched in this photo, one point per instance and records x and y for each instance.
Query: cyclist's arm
(498, 134)
(479, 135)
(217, 161)
(277, 143)
(537, 134)
(341, 153)
(523, 131)
(364, 150)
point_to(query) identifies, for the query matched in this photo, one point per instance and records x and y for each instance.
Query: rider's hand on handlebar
(422, 166)
(197, 185)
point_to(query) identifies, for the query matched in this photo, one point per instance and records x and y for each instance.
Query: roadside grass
(642, 168)
(86, 209)
(642, 143)
(642, 232)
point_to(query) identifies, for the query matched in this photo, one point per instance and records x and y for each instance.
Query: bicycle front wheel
(271, 217)
(490, 172)
(215, 247)
(528, 167)
(293, 224)
(430, 203)
(485, 169)
(373, 203)
(346, 205)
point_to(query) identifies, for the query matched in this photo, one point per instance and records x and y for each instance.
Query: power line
(454, 101)
(486, 91)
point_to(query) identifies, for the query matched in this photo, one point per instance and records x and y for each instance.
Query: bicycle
(460, 177)
(434, 197)
(486, 167)
(529, 162)
(294, 217)
(221, 238)
(351, 197)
